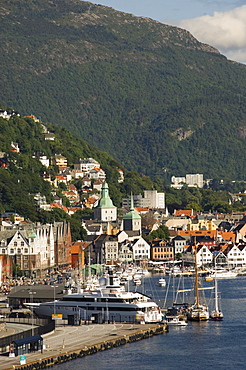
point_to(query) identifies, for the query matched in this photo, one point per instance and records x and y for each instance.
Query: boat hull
(198, 314)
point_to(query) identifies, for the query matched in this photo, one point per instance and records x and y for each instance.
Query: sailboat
(216, 313)
(197, 311)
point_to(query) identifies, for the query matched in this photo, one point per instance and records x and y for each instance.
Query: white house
(204, 255)
(141, 250)
(236, 255)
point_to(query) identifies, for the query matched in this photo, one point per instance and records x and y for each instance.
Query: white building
(151, 199)
(189, 179)
(105, 210)
(86, 164)
(204, 256)
(141, 250)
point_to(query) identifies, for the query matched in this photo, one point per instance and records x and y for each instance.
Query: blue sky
(219, 23)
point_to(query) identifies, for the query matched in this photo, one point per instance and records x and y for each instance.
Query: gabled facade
(126, 253)
(236, 255)
(161, 251)
(35, 249)
(141, 250)
(204, 255)
(179, 244)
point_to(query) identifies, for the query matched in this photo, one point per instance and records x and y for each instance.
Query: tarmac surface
(71, 338)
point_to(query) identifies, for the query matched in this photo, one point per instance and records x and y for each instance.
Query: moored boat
(107, 303)
(175, 321)
(222, 274)
(162, 282)
(216, 313)
(197, 311)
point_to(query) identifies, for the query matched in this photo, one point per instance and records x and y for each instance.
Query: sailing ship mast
(197, 311)
(196, 277)
(216, 314)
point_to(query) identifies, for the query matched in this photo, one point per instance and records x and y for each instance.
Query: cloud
(226, 31)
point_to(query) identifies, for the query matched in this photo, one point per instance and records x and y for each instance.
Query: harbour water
(205, 345)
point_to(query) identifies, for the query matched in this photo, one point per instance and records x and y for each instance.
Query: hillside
(21, 175)
(149, 94)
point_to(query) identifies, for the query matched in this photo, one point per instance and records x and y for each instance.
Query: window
(12, 250)
(22, 244)
(3, 251)
(26, 250)
(15, 244)
(18, 251)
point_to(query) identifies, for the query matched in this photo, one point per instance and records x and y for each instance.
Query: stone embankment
(60, 347)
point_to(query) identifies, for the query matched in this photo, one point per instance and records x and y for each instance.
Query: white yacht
(162, 282)
(223, 274)
(107, 303)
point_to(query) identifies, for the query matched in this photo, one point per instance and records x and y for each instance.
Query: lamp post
(54, 311)
(107, 318)
(31, 299)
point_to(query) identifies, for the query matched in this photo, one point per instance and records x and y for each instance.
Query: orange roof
(229, 236)
(57, 205)
(142, 209)
(183, 212)
(91, 200)
(211, 233)
(78, 246)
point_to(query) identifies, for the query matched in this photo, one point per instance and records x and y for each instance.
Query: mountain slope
(149, 94)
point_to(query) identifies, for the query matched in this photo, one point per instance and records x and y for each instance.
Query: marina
(178, 348)
(203, 345)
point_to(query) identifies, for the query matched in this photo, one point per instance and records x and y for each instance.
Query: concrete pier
(70, 342)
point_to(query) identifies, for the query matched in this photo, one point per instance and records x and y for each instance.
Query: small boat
(223, 274)
(175, 321)
(137, 282)
(162, 282)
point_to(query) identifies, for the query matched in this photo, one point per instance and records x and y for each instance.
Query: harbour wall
(61, 357)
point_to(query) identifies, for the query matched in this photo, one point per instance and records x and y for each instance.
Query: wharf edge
(45, 360)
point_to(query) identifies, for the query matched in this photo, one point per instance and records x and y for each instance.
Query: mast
(196, 277)
(215, 287)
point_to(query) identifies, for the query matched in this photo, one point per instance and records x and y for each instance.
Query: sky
(219, 23)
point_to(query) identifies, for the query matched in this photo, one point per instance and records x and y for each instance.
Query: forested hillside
(22, 176)
(149, 94)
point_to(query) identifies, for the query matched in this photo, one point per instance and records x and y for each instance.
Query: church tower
(132, 220)
(105, 210)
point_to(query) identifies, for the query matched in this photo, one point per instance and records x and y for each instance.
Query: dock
(69, 342)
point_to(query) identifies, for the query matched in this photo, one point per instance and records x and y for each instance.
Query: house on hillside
(126, 252)
(141, 250)
(204, 255)
(178, 243)
(160, 250)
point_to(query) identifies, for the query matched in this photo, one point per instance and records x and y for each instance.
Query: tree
(161, 233)
(77, 231)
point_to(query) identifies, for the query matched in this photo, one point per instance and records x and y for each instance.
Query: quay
(70, 342)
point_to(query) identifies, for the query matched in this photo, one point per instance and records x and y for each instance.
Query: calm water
(218, 345)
